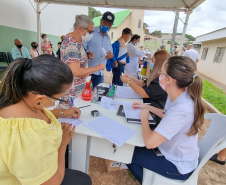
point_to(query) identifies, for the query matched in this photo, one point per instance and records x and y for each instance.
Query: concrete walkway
(215, 83)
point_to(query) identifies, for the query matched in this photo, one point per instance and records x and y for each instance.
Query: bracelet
(129, 82)
(62, 114)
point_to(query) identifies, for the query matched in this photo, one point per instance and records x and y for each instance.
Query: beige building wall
(216, 71)
(131, 22)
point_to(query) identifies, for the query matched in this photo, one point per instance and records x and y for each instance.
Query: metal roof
(165, 5)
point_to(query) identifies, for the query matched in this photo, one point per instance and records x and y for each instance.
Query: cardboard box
(114, 165)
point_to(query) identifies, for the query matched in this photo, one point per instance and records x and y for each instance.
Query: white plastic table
(85, 142)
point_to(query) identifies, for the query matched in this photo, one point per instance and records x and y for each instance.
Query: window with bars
(204, 53)
(219, 54)
(139, 24)
(112, 35)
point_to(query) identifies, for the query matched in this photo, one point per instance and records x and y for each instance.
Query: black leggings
(74, 177)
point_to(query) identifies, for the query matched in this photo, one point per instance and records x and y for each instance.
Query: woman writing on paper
(177, 134)
(33, 151)
(150, 90)
(132, 67)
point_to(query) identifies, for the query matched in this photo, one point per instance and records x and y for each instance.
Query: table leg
(77, 158)
(87, 154)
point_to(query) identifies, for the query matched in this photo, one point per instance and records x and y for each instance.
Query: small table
(85, 142)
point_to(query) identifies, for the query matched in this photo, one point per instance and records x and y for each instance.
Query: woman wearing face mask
(74, 55)
(46, 46)
(150, 90)
(33, 151)
(177, 134)
(34, 52)
(132, 67)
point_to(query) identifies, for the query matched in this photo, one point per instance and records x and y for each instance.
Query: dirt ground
(211, 174)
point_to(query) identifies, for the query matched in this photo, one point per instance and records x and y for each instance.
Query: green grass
(153, 46)
(131, 175)
(214, 96)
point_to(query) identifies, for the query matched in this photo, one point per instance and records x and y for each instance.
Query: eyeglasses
(61, 100)
(89, 31)
(159, 73)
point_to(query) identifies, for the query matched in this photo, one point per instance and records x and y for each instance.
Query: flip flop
(214, 159)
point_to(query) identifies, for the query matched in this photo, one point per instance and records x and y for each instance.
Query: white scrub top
(179, 148)
(132, 67)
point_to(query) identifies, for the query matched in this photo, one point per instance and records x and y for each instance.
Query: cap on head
(127, 31)
(109, 17)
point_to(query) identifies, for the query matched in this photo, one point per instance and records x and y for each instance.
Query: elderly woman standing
(74, 55)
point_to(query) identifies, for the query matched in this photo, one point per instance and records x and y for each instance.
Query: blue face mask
(105, 29)
(151, 65)
(136, 43)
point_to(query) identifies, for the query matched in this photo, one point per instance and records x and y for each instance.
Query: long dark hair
(44, 74)
(134, 37)
(183, 69)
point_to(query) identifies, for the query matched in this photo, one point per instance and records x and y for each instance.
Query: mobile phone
(157, 152)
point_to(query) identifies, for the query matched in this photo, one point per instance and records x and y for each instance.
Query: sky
(209, 16)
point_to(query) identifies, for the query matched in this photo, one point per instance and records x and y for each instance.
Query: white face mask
(136, 43)
(54, 106)
(87, 37)
(146, 50)
(46, 39)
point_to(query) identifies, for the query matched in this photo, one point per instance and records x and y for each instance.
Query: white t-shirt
(191, 53)
(178, 148)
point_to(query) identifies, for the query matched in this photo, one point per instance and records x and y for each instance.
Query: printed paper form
(108, 103)
(111, 130)
(75, 122)
(126, 92)
(131, 113)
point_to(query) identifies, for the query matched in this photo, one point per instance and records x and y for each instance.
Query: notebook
(137, 120)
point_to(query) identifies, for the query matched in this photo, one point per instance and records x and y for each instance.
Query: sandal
(214, 159)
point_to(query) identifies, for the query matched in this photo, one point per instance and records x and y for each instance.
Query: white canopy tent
(186, 6)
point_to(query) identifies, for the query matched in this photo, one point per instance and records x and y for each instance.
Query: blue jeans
(97, 79)
(146, 158)
(117, 72)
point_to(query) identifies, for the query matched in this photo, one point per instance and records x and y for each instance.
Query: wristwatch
(129, 82)
(62, 114)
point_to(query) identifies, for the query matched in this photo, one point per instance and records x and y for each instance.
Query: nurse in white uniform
(132, 67)
(176, 136)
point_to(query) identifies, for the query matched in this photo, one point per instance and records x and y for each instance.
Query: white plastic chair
(208, 145)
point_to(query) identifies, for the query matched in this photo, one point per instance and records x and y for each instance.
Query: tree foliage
(186, 43)
(146, 27)
(190, 37)
(176, 43)
(157, 33)
(94, 13)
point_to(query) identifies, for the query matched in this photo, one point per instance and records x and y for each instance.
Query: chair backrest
(10, 57)
(214, 135)
(213, 141)
(3, 57)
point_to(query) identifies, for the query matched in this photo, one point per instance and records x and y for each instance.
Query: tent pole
(184, 31)
(38, 26)
(174, 31)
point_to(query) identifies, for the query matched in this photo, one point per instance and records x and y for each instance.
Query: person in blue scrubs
(176, 136)
(100, 45)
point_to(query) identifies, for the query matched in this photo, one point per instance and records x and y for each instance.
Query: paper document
(75, 122)
(109, 103)
(126, 92)
(131, 113)
(111, 130)
(104, 53)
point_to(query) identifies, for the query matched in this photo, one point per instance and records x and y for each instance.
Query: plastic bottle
(86, 95)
